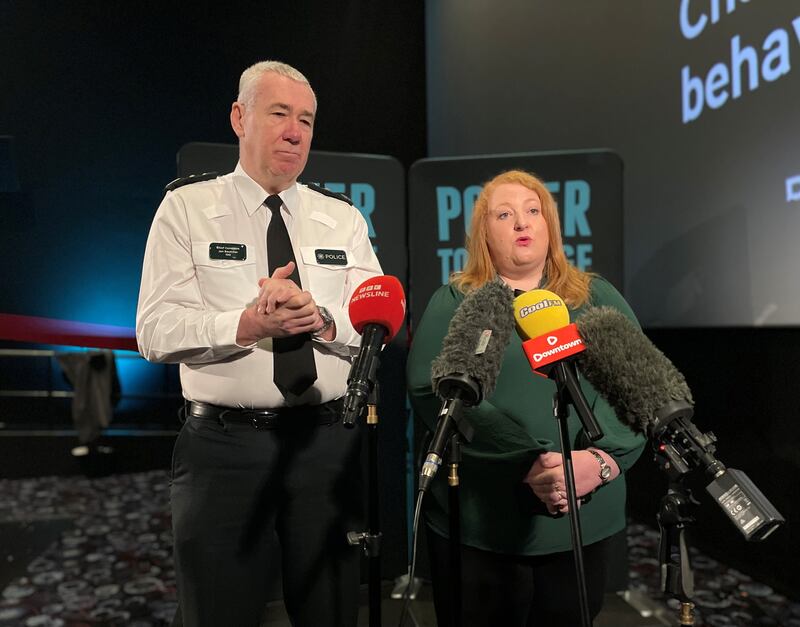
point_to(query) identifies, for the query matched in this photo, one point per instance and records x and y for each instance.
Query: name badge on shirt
(222, 250)
(331, 257)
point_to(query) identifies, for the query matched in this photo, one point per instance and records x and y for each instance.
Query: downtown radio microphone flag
(377, 310)
(543, 325)
(465, 372)
(550, 342)
(650, 395)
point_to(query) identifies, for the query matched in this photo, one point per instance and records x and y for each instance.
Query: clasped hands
(546, 478)
(281, 309)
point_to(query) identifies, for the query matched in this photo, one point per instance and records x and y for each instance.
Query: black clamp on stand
(568, 392)
(677, 578)
(371, 539)
(459, 391)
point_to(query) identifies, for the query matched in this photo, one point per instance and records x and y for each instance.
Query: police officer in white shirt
(245, 283)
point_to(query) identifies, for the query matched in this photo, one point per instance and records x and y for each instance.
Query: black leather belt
(325, 414)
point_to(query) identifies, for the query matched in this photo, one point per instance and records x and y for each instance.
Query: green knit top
(512, 427)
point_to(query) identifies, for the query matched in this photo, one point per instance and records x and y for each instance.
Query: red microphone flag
(379, 300)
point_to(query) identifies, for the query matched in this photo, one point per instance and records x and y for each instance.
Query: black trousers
(514, 590)
(233, 487)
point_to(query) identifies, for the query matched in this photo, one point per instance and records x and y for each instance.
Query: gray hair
(251, 75)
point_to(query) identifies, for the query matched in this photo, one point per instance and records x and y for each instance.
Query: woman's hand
(546, 477)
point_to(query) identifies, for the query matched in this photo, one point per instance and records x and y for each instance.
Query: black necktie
(293, 367)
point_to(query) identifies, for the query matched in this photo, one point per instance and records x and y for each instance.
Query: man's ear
(237, 114)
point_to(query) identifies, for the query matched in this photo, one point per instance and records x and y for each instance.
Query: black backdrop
(99, 97)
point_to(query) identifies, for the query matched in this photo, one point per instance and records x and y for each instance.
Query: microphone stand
(568, 392)
(370, 540)
(677, 578)
(460, 391)
(454, 501)
(674, 515)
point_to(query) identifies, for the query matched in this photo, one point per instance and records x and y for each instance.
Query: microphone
(377, 310)
(549, 341)
(636, 378)
(543, 325)
(651, 396)
(465, 372)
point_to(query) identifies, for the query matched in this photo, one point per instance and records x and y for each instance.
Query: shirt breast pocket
(326, 269)
(227, 276)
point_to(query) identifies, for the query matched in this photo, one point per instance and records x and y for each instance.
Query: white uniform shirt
(190, 302)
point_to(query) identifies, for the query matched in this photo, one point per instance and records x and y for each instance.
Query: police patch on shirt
(331, 257)
(223, 250)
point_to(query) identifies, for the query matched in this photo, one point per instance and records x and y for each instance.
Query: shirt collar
(253, 195)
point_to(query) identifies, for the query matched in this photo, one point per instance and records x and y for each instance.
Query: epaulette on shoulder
(327, 192)
(187, 180)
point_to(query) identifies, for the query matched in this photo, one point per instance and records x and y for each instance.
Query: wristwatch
(327, 321)
(605, 469)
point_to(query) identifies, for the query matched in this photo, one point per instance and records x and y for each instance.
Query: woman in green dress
(517, 563)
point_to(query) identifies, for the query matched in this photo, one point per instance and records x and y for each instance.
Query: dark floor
(616, 613)
(80, 552)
